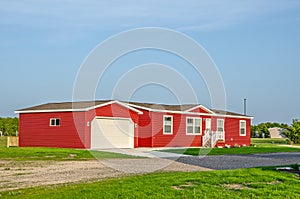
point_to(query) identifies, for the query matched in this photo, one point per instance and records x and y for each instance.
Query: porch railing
(206, 137)
(221, 135)
(213, 137)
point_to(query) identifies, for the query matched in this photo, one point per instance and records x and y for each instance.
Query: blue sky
(255, 45)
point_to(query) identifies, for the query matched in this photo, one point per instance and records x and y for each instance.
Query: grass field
(261, 146)
(269, 141)
(2, 142)
(39, 153)
(243, 183)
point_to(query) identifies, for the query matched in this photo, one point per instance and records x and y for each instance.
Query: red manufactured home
(116, 124)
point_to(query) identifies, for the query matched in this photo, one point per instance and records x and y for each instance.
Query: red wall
(232, 133)
(145, 129)
(151, 131)
(199, 110)
(36, 131)
(73, 131)
(178, 138)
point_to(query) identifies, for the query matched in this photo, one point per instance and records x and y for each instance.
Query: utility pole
(245, 106)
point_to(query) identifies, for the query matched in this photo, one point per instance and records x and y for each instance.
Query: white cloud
(183, 15)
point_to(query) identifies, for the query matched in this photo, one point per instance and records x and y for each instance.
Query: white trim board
(202, 107)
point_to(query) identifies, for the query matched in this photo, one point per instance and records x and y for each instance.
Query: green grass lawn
(40, 153)
(242, 183)
(261, 146)
(2, 141)
(269, 141)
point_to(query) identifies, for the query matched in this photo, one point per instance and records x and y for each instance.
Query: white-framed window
(193, 126)
(242, 128)
(220, 125)
(54, 121)
(168, 124)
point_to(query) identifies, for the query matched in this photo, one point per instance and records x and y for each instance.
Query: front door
(207, 125)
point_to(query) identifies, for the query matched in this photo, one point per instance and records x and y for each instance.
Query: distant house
(116, 124)
(276, 132)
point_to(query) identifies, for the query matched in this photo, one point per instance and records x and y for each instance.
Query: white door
(208, 124)
(112, 133)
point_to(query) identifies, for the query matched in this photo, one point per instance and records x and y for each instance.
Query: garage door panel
(112, 133)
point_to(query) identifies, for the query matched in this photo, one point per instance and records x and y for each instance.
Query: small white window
(220, 125)
(193, 126)
(242, 128)
(54, 121)
(168, 125)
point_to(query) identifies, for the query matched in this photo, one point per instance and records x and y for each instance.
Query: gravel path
(147, 165)
(224, 162)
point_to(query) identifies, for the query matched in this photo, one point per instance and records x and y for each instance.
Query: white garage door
(112, 133)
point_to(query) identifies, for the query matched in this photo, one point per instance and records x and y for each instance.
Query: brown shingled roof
(228, 113)
(65, 105)
(177, 107)
(89, 104)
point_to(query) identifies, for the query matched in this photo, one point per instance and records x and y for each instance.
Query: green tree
(293, 131)
(9, 126)
(260, 130)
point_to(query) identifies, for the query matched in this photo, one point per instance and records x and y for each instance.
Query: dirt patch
(184, 186)
(23, 174)
(236, 186)
(36, 173)
(247, 186)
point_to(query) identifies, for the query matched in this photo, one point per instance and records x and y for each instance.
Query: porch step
(207, 144)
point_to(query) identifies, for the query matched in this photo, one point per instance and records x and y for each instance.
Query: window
(168, 125)
(242, 128)
(193, 125)
(220, 125)
(55, 122)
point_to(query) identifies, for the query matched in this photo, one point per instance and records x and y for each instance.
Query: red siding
(232, 132)
(151, 131)
(145, 129)
(178, 138)
(36, 131)
(199, 110)
(73, 132)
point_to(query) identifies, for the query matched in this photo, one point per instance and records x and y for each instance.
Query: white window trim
(55, 122)
(223, 127)
(186, 125)
(243, 121)
(171, 125)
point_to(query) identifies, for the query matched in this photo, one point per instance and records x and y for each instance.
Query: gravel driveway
(224, 162)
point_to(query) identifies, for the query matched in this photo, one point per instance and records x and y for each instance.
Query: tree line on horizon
(262, 130)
